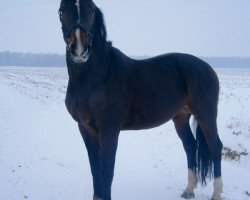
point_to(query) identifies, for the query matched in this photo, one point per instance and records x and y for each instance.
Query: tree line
(57, 60)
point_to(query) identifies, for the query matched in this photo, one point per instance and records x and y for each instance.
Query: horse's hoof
(187, 195)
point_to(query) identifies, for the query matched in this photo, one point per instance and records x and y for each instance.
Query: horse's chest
(85, 109)
(78, 108)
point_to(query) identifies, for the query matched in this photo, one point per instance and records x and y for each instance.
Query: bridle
(67, 34)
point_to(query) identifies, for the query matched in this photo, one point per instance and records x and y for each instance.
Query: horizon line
(142, 56)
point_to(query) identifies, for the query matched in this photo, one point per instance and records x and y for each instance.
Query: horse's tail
(203, 156)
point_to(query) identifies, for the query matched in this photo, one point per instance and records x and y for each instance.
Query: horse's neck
(92, 72)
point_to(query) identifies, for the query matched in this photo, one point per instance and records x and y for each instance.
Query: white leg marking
(78, 8)
(218, 185)
(192, 181)
(79, 46)
(96, 198)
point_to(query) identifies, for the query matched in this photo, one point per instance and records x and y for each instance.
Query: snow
(43, 157)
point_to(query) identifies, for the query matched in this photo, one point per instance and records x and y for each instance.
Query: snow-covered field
(42, 155)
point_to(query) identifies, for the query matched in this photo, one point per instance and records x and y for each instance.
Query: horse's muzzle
(78, 44)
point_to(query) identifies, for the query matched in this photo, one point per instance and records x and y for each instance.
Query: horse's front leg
(108, 147)
(93, 147)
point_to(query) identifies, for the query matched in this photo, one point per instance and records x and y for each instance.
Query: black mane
(100, 28)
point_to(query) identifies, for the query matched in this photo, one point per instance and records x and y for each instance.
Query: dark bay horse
(109, 92)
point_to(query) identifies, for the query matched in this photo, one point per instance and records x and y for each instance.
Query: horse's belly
(139, 125)
(150, 117)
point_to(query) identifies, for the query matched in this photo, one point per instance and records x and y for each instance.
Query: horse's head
(78, 20)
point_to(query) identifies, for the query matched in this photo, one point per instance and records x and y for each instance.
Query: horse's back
(196, 74)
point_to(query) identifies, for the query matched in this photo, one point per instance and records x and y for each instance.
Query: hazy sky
(136, 27)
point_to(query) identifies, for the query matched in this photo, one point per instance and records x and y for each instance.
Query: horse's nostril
(71, 40)
(72, 48)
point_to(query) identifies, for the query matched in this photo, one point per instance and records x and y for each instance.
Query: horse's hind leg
(182, 127)
(208, 128)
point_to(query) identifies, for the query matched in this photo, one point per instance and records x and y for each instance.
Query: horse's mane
(100, 27)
